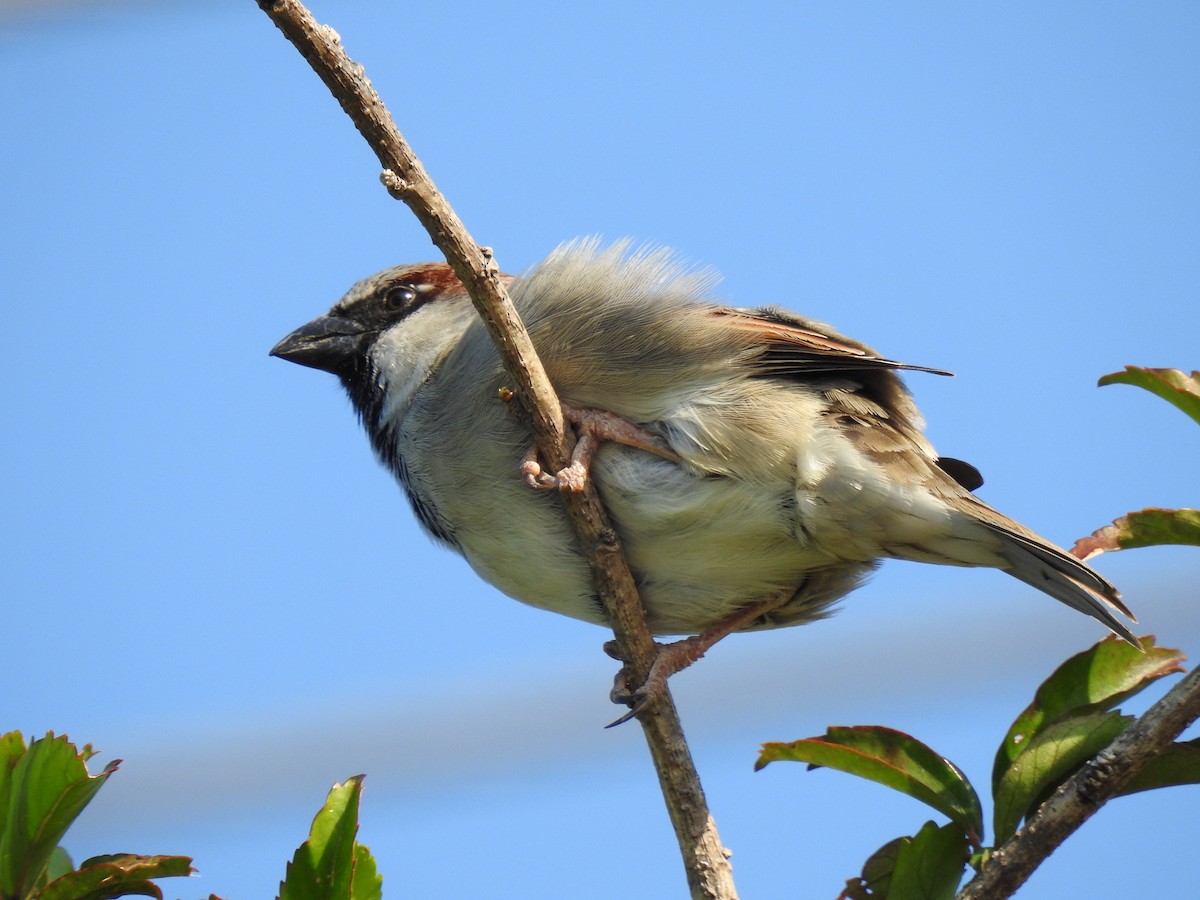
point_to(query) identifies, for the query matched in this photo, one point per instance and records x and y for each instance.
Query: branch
(1086, 791)
(708, 870)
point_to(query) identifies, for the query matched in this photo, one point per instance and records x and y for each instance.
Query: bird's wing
(876, 412)
(793, 345)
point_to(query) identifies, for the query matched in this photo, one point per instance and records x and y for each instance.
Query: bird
(759, 464)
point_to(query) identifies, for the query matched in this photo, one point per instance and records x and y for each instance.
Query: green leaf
(116, 875)
(330, 863)
(1172, 385)
(45, 790)
(1147, 528)
(876, 877)
(1047, 759)
(60, 864)
(1092, 681)
(368, 883)
(1178, 764)
(890, 758)
(928, 866)
(87, 889)
(12, 748)
(931, 865)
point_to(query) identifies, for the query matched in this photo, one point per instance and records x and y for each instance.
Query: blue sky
(207, 575)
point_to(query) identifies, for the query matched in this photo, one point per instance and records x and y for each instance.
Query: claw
(633, 713)
(636, 700)
(668, 659)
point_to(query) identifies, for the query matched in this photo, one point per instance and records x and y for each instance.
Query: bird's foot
(592, 426)
(678, 655)
(668, 659)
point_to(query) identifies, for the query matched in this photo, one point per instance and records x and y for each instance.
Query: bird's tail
(1063, 577)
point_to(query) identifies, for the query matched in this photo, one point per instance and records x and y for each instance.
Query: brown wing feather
(793, 345)
(873, 408)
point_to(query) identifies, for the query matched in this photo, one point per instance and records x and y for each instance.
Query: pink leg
(592, 426)
(677, 656)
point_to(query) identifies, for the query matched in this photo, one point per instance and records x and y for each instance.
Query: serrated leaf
(1172, 385)
(368, 883)
(323, 867)
(890, 758)
(1107, 673)
(1178, 764)
(116, 875)
(46, 789)
(931, 865)
(1047, 759)
(1146, 528)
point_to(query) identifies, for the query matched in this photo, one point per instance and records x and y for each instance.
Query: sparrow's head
(340, 341)
(384, 337)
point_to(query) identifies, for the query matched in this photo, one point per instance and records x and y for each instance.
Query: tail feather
(1065, 578)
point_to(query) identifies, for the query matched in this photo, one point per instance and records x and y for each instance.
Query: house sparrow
(770, 462)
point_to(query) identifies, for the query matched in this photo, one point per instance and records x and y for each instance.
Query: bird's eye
(399, 296)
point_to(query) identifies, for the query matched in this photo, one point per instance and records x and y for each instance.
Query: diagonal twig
(1085, 792)
(705, 860)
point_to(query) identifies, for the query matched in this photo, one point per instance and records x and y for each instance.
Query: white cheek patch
(406, 354)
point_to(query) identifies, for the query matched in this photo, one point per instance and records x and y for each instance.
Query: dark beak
(331, 343)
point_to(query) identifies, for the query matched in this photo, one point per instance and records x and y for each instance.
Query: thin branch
(706, 862)
(1086, 791)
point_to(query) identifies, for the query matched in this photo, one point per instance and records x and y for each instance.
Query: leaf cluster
(1070, 719)
(45, 785)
